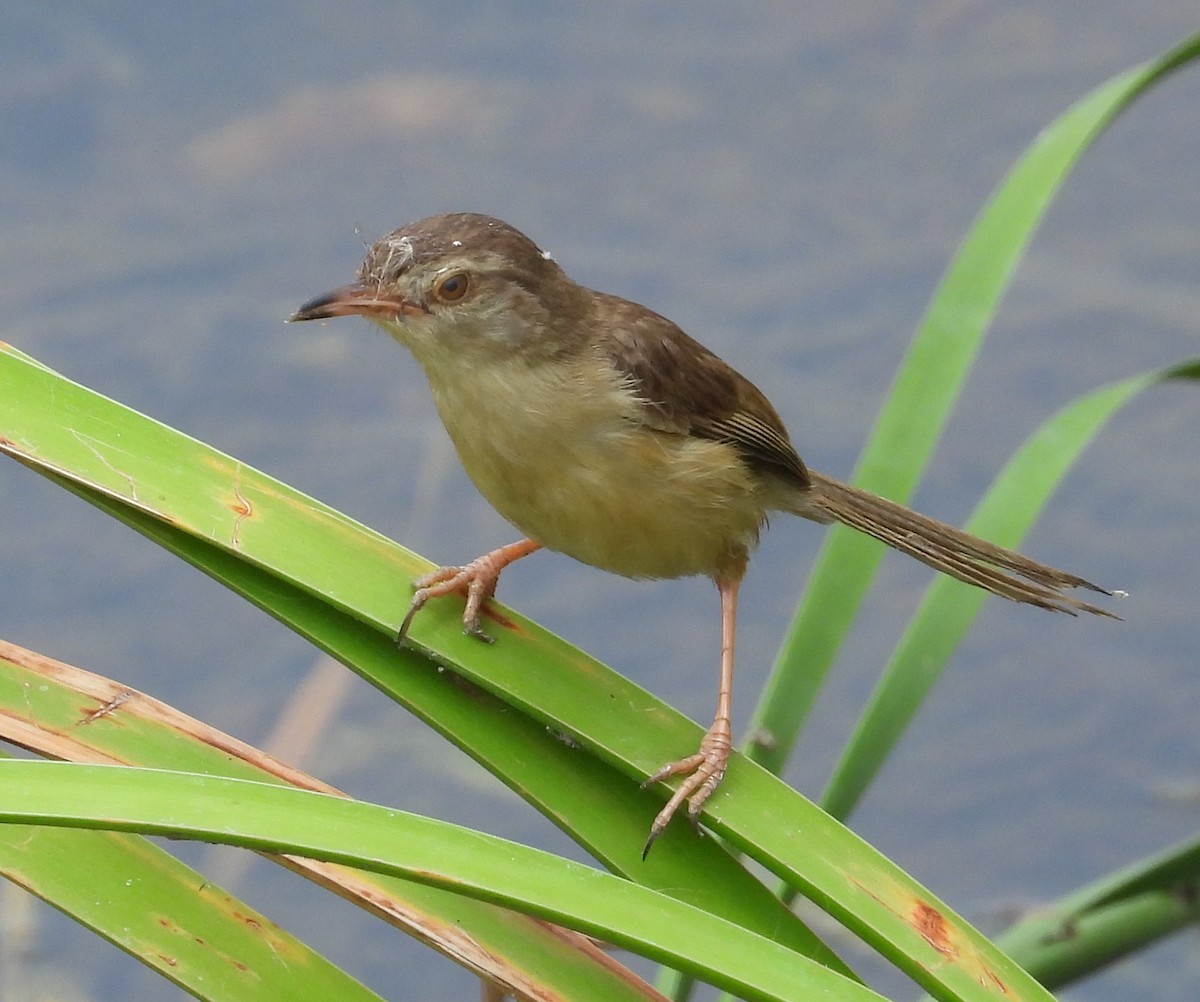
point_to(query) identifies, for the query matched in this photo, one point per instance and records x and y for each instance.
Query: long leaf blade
(924, 392)
(273, 818)
(130, 892)
(63, 712)
(1010, 507)
(530, 670)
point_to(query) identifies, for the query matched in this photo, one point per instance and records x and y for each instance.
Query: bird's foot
(476, 580)
(703, 772)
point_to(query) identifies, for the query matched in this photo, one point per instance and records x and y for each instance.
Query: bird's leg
(704, 770)
(477, 580)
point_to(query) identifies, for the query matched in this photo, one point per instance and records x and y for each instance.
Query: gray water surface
(787, 183)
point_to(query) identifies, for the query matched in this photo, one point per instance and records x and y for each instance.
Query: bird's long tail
(996, 569)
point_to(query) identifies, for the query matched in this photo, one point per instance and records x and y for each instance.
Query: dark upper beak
(361, 300)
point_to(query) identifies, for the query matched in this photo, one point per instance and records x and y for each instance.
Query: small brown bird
(600, 429)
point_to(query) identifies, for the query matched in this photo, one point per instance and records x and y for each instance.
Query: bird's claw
(477, 580)
(703, 772)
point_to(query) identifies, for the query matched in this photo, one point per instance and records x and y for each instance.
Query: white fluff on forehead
(387, 259)
(400, 255)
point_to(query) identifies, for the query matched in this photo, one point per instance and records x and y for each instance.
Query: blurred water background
(787, 182)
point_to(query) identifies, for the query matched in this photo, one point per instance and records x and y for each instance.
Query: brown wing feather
(688, 390)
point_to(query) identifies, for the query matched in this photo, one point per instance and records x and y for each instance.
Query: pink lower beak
(360, 300)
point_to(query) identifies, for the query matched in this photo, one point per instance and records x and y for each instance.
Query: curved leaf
(288, 553)
(924, 391)
(273, 818)
(63, 712)
(949, 607)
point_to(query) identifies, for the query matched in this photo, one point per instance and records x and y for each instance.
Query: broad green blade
(1059, 948)
(1109, 919)
(924, 391)
(949, 607)
(272, 818)
(230, 520)
(1174, 870)
(304, 552)
(168, 916)
(593, 802)
(63, 712)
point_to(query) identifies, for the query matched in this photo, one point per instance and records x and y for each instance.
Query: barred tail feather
(968, 558)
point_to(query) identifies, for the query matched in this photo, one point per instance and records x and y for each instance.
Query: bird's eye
(453, 288)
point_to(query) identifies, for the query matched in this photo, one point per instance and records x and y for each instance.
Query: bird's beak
(361, 300)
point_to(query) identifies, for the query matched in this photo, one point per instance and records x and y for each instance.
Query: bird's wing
(687, 390)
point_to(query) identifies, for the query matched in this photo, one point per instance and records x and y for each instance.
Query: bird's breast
(560, 450)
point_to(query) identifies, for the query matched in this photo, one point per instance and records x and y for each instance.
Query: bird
(601, 430)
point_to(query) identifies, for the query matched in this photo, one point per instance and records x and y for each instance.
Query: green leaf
(291, 555)
(924, 392)
(62, 711)
(166, 914)
(1111, 918)
(271, 818)
(45, 418)
(335, 582)
(949, 607)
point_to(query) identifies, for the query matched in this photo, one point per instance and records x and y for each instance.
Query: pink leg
(705, 769)
(477, 579)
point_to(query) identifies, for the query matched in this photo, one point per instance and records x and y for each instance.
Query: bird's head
(463, 285)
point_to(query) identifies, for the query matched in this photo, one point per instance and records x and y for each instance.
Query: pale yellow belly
(643, 508)
(580, 478)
